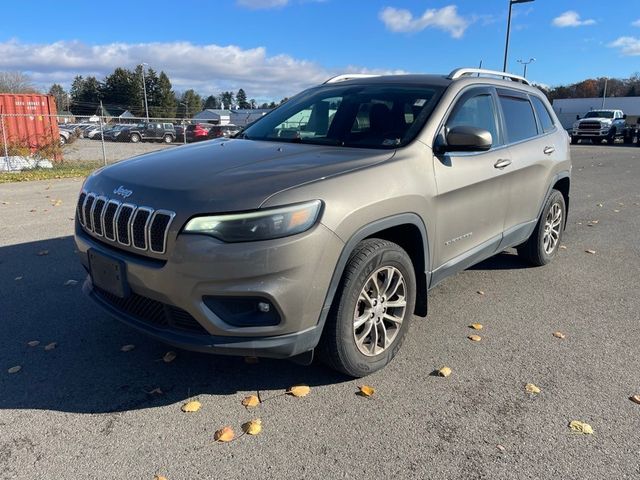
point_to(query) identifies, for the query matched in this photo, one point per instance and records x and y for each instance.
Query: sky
(275, 48)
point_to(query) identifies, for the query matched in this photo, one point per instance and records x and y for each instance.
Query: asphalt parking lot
(83, 409)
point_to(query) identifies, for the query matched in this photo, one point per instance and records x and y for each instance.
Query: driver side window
(476, 111)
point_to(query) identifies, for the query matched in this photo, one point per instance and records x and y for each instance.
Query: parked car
(223, 131)
(65, 136)
(114, 133)
(152, 131)
(198, 132)
(599, 125)
(321, 227)
(179, 132)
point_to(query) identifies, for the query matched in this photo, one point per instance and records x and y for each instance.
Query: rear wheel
(371, 313)
(542, 246)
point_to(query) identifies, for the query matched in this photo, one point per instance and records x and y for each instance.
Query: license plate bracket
(108, 273)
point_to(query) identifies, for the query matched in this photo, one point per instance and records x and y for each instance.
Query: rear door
(471, 202)
(532, 141)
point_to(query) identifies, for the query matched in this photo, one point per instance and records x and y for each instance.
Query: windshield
(365, 116)
(599, 114)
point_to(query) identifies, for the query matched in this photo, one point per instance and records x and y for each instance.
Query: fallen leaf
(50, 346)
(476, 326)
(41, 253)
(224, 435)
(17, 279)
(480, 292)
(444, 372)
(159, 477)
(192, 406)
(563, 247)
(366, 390)
(500, 447)
(15, 369)
(616, 211)
(474, 338)
(592, 252)
(253, 427)
(635, 399)
(32, 210)
(5, 203)
(56, 203)
(595, 222)
(559, 335)
(580, 427)
(621, 204)
(299, 390)
(169, 357)
(33, 343)
(251, 401)
(600, 205)
(127, 348)
(531, 388)
(69, 283)
(251, 360)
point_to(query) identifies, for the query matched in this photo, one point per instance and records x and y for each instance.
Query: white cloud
(571, 18)
(636, 23)
(446, 18)
(262, 4)
(206, 68)
(629, 46)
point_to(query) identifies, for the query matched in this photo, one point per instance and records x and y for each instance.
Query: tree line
(595, 87)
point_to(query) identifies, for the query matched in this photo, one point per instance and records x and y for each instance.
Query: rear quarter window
(519, 119)
(543, 115)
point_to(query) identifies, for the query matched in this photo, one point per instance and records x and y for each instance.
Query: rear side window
(518, 118)
(543, 114)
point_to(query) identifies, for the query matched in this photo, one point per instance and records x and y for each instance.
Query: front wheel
(542, 246)
(135, 138)
(372, 310)
(168, 139)
(611, 138)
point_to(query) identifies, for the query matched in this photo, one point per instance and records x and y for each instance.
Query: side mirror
(467, 139)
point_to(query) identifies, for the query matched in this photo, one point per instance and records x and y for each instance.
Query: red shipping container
(28, 119)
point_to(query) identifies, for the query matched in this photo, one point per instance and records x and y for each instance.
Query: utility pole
(604, 94)
(144, 88)
(531, 60)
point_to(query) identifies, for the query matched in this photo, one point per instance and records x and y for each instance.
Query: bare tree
(16, 82)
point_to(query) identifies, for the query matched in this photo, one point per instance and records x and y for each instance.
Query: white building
(568, 108)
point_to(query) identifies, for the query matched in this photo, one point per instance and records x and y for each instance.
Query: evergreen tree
(85, 95)
(190, 104)
(120, 90)
(60, 96)
(241, 99)
(166, 97)
(211, 102)
(227, 100)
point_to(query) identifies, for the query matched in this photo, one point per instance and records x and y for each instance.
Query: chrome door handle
(502, 163)
(548, 150)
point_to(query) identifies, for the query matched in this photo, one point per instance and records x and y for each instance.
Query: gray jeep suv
(321, 227)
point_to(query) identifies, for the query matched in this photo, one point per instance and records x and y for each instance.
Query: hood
(225, 175)
(595, 119)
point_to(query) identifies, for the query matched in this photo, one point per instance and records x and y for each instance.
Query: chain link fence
(45, 141)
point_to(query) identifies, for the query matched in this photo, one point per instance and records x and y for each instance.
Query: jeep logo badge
(123, 192)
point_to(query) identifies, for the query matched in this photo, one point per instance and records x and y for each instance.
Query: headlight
(259, 225)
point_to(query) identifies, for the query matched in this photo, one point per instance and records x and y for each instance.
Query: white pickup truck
(599, 125)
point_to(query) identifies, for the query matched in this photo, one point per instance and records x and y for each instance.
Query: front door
(470, 203)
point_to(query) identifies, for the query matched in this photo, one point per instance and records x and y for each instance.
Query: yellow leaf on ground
(15, 369)
(366, 390)
(476, 326)
(254, 427)
(636, 399)
(444, 372)
(592, 252)
(169, 357)
(562, 247)
(480, 292)
(159, 477)
(224, 435)
(33, 343)
(192, 406)
(50, 346)
(474, 338)
(580, 427)
(127, 348)
(299, 390)
(251, 401)
(531, 388)
(559, 335)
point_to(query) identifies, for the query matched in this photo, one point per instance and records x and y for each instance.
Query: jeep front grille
(123, 223)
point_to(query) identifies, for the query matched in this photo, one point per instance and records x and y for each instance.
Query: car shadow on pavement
(508, 260)
(86, 371)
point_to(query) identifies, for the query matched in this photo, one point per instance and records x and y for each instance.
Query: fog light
(264, 307)
(244, 311)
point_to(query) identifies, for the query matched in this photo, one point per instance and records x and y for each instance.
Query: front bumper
(292, 273)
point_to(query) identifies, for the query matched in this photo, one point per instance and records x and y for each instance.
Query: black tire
(338, 346)
(167, 139)
(533, 250)
(574, 140)
(134, 138)
(63, 141)
(611, 138)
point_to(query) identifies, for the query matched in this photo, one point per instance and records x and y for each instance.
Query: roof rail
(464, 72)
(349, 76)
